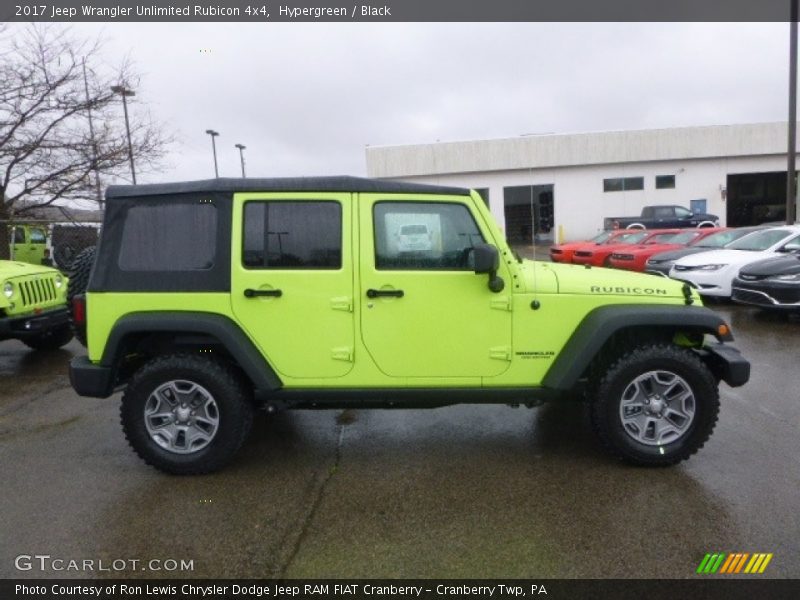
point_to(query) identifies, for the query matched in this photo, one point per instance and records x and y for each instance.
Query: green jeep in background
(33, 305)
(28, 244)
(210, 299)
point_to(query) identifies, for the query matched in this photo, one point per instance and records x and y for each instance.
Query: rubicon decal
(734, 563)
(638, 291)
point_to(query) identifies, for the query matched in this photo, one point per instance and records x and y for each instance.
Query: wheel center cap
(657, 405)
(183, 414)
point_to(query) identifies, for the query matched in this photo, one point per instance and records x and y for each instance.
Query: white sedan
(712, 272)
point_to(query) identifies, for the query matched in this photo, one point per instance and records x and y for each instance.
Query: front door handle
(250, 293)
(385, 293)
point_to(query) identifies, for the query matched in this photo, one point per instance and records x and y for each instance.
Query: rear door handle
(385, 293)
(250, 293)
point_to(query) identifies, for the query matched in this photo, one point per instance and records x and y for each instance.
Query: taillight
(79, 310)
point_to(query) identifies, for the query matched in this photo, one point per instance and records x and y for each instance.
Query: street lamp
(125, 92)
(214, 134)
(241, 148)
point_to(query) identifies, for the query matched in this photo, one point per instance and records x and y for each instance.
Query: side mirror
(791, 247)
(487, 260)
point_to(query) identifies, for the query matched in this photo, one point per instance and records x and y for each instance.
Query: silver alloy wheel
(657, 408)
(181, 416)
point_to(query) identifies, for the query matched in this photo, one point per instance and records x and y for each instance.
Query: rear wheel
(186, 414)
(656, 405)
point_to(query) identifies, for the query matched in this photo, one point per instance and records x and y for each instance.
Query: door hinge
(344, 353)
(501, 303)
(500, 353)
(344, 303)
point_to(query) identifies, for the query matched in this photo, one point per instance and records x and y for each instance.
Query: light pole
(791, 174)
(125, 92)
(214, 134)
(241, 148)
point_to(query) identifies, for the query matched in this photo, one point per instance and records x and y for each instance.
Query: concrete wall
(701, 158)
(581, 204)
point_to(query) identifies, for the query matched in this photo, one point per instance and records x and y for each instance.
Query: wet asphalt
(463, 491)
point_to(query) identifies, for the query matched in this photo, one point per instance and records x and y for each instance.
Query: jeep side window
(282, 234)
(19, 235)
(37, 236)
(435, 236)
(169, 237)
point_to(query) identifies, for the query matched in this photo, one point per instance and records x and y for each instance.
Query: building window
(484, 193)
(665, 182)
(623, 184)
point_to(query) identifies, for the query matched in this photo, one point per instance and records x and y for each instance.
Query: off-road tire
(79, 273)
(607, 393)
(232, 397)
(51, 340)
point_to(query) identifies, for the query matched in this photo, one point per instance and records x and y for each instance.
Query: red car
(634, 258)
(563, 252)
(598, 255)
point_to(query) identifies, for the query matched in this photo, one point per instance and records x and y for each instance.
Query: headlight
(793, 278)
(8, 289)
(709, 267)
(59, 281)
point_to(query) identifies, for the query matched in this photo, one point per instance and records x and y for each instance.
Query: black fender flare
(220, 327)
(601, 323)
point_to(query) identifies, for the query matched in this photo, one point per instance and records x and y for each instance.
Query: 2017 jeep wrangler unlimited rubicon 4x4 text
(210, 299)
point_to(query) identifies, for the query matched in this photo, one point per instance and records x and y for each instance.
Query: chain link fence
(47, 241)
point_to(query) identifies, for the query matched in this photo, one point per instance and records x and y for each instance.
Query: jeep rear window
(179, 236)
(282, 234)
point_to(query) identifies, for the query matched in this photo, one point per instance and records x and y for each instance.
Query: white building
(551, 186)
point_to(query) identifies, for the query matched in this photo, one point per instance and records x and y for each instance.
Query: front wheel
(655, 406)
(186, 414)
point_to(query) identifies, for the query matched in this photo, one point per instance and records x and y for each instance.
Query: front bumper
(726, 363)
(707, 283)
(767, 294)
(33, 325)
(89, 379)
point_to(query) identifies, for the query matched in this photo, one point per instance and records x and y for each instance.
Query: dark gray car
(661, 263)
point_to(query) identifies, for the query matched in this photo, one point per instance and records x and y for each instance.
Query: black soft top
(341, 183)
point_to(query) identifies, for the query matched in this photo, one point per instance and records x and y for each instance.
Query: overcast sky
(307, 98)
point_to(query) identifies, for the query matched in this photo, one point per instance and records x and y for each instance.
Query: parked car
(600, 256)
(563, 252)
(414, 238)
(712, 272)
(28, 244)
(662, 217)
(773, 283)
(661, 263)
(635, 258)
(33, 305)
(196, 350)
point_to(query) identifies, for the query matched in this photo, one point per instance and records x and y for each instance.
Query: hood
(577, 279)
(10, 268)
(788, 264)
(652, 248)
(723, 257)
(672, 255)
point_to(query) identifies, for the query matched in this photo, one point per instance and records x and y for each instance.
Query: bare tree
(47, 152)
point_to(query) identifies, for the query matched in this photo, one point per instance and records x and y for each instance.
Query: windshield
(760, 240)
(601, 237)
(723, 238)
(684, 238)
(629, 238)
(662, 238)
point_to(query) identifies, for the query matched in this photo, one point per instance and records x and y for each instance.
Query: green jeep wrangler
(33, 305)
(210, 299)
